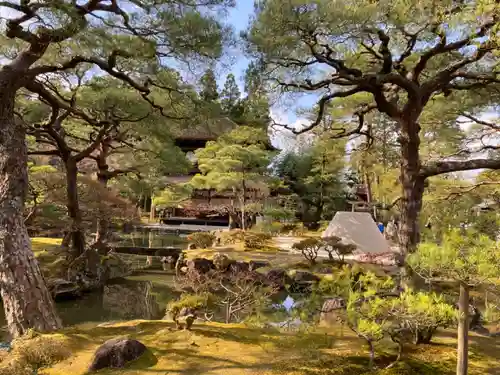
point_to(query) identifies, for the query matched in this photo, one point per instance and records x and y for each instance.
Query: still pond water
(144, 295)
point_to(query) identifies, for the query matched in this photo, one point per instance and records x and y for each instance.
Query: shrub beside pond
(202, 240)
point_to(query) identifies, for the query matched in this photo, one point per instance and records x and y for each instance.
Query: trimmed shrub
(231, 237)
(184, 311)
(202, 240)
(309, 248)
(271, 227)
(255, 240)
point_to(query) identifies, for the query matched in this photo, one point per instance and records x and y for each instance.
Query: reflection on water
(151, 238)
(288, 303)
(121, 300)
(142, 296)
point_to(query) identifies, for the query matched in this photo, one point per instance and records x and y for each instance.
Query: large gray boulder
(115, 353)
(64, 289)
(116, 267)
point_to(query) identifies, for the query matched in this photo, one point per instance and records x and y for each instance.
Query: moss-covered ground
(220, 349)
(50, 259)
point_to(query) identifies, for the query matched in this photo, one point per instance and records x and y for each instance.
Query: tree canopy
(421, 64)
(131, 41)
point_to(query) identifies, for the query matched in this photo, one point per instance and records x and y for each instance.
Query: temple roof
(208, 131)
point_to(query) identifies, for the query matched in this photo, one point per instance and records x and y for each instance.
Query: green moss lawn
(220, 349)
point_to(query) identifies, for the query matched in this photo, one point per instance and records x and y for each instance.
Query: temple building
(206, 207)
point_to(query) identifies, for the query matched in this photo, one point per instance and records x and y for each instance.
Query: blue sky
(239, 18)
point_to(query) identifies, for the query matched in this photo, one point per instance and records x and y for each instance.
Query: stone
(303, 281)
(200, 265)
(115, 266)
(256, 264)
(218, 238)
(305, 277)
(221, 261)
(330, 308)
(186, 318)
(278, 278)
(168, 263)
(64, 289)
(381, 259)
(115, 353)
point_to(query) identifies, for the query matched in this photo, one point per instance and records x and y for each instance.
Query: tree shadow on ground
(147, 360)
(237, 349)
(270, 336)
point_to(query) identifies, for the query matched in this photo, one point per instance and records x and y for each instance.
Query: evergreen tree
(238, 161)
(422, 64)
(314, 174)
(469, 260)
(127, 43)
(256, 104)
(230, 95)
(209, 92)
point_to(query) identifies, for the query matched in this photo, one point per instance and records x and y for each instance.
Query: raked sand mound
(360, 229)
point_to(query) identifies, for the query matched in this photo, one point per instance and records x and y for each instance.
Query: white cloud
(283, 138)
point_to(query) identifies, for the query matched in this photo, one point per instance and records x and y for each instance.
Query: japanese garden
(303, 187)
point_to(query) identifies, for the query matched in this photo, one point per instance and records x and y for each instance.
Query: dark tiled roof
(209, 130)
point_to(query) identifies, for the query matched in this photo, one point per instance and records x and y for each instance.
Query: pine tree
(238, 161)
(411, 61)
(469, 260)
(125, 46)
(208, 83)
(230, 95)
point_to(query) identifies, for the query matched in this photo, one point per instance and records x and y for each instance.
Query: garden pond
(143, 295)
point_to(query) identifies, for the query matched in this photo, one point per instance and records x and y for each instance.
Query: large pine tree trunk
(463, 330)
(27, 302)
(413, 187)
(412, 195)
(411, 205)
(74, 212)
